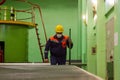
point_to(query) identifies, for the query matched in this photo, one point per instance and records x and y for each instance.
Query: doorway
(2, 45)
(110, 49)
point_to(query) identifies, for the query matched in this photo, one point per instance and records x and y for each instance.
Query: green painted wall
(91, 58)
(83, 30)
(101, 40)
(97, 63)
(96, 37)
(117, 47)
(79, 29)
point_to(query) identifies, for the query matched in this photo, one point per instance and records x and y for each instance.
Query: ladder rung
(39, 43)
(36, 28)
(37, 33)
(42, 45)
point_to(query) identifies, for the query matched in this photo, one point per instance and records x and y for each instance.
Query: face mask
(59, 35)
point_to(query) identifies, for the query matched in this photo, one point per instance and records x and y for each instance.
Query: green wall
(97, 63)
(91, 58)
(96, 37)
(79, 29)
(101, 40)
(82, 9)
(117, 47)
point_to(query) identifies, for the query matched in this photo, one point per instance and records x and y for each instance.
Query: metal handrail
(35, 6)
(27, 11)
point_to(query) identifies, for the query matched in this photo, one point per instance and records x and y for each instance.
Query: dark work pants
(58, 60)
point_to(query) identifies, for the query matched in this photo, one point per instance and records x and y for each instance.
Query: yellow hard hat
(59, 28)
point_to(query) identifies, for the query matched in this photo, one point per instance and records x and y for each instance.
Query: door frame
(2, 44)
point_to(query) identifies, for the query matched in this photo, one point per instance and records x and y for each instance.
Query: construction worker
(57, 45)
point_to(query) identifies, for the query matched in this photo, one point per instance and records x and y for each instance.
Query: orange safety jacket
(63, 42)
(57, 46)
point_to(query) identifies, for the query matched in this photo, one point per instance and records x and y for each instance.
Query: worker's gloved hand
(46, 61)
(70, 43)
